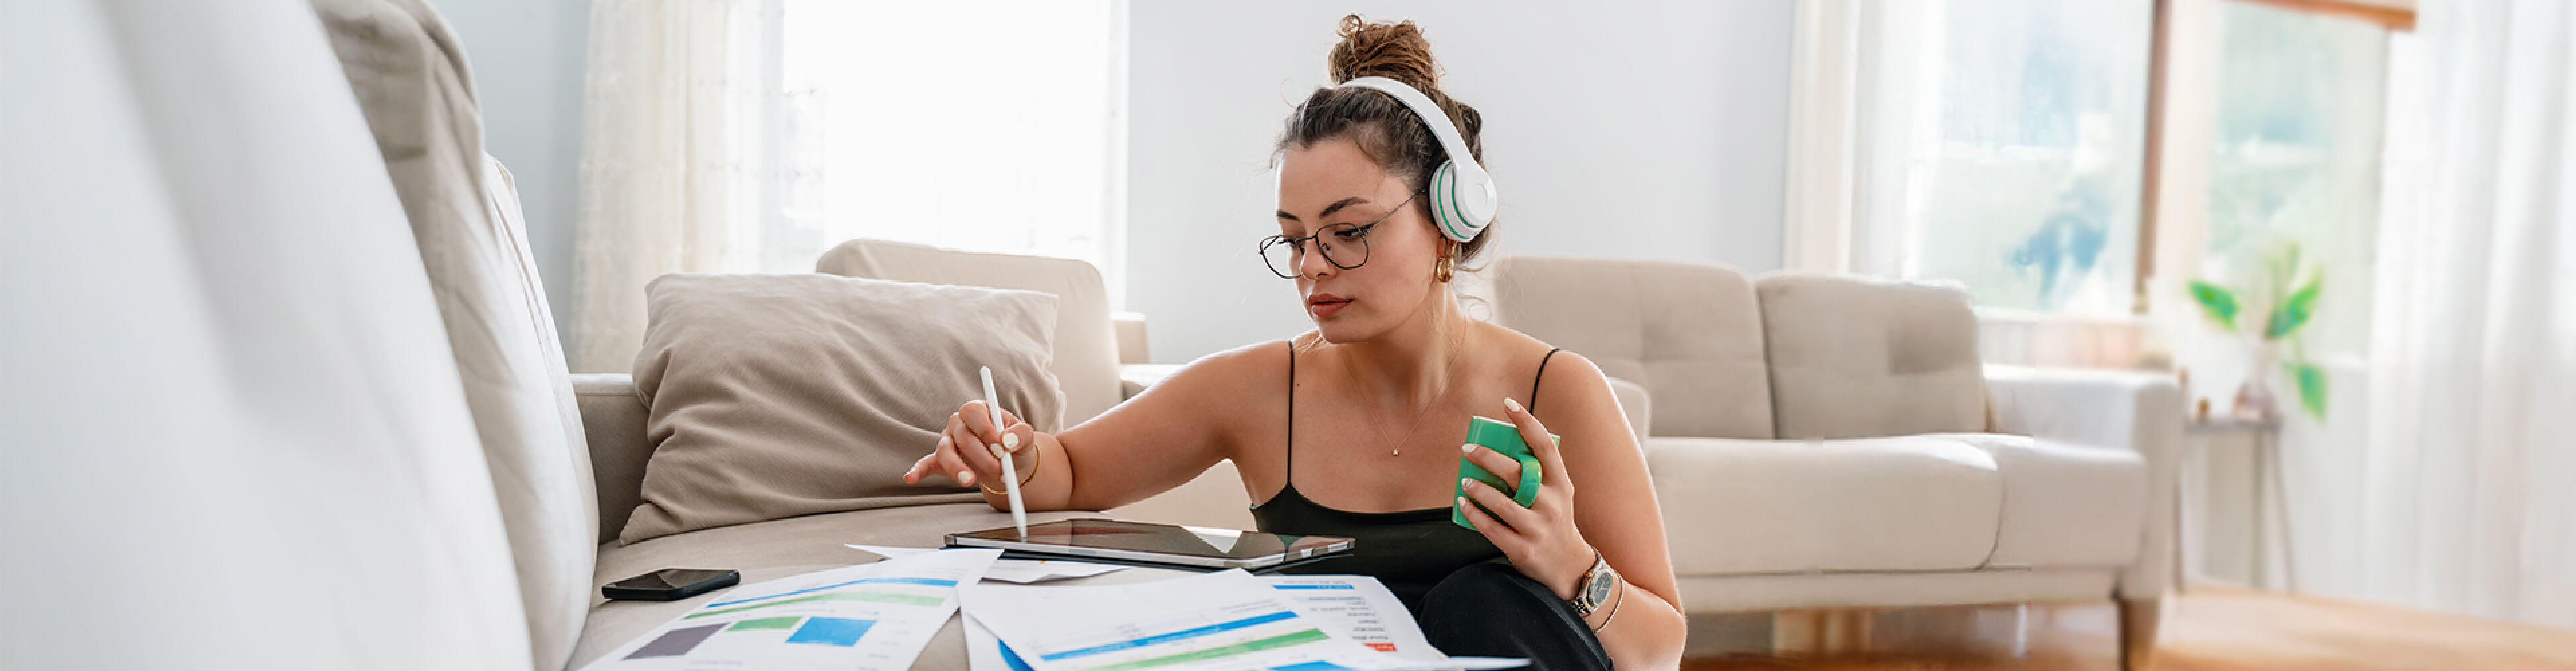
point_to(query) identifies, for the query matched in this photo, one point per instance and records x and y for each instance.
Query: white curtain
(674, 111)
(2467, 499)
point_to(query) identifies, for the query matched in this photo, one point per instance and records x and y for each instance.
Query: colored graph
(675, 642)
(831, 631)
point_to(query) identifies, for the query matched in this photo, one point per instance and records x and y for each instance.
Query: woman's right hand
(966, 448)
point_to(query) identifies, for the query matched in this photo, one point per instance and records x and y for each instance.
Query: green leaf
(2217, 302)
(2293, 313)
(2312, 387)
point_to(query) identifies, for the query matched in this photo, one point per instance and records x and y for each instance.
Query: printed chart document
(1225, 620)
(984, 652)
(1359, 607)
(872, 616)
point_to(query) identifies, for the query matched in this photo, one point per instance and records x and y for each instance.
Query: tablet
(1156, 543)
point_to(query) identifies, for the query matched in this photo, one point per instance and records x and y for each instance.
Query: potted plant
(2285, 306)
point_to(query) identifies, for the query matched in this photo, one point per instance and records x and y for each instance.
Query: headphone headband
(1462, 193)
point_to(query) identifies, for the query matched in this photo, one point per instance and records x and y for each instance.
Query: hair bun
(1392, 50)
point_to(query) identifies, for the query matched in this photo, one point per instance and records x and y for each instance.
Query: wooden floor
(2208, 629)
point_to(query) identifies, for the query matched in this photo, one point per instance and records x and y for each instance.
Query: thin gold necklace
(1396, 449)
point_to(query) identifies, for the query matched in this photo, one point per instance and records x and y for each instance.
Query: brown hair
(1385, 130)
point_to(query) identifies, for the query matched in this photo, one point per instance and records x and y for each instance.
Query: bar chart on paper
(876, 616)
(1224, 620)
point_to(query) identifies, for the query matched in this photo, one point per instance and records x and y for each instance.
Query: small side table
(2233, 503)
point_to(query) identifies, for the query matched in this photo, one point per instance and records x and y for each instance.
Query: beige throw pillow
(774, 396)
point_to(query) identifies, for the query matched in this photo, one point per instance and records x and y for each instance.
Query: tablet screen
(1156, 538)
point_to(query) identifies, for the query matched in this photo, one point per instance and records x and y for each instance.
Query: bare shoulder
(1227, 382)
(1572, 391)
(1567, 372)
(1243, 367)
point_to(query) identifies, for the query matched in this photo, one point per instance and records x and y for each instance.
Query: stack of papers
(873, 616)
(879, 616)
(1224, 620)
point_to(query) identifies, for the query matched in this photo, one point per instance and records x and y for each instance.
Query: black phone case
(615, 593)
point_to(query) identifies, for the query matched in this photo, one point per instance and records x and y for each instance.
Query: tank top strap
(1290, 480)
(1542, 372)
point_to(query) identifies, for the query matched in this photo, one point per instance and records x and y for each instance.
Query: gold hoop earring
(1447, 269)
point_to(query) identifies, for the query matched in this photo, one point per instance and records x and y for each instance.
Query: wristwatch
(1595, 589)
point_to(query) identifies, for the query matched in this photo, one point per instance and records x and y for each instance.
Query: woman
(1348, 429)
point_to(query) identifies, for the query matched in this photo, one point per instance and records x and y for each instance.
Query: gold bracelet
(1034, 463)
(1614, 606)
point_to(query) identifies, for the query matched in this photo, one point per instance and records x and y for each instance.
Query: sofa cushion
(410, 79)
(1855, 358)
(1689, 333)
(782, 548)
(2065, 505)
(1917, 503)
(774, 396)
(1086, 344)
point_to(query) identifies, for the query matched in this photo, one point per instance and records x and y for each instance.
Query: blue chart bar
(1253, 621)
(831, 631)
(1013, 657)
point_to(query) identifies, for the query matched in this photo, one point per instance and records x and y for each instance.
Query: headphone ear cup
(1444, 204)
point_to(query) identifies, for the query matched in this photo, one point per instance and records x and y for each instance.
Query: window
(2294, 163)
(2000, 145)
(979, 126)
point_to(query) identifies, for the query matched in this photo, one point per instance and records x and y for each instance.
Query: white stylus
(1010, 473)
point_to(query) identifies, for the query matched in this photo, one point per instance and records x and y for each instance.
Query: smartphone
(1503, 437)
(671, 584)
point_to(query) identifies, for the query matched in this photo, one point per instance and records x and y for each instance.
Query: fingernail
(1011, 441)
(965, 477)
(1462, 502)
(1514, 405)
(1469, 448)
(1466, 483)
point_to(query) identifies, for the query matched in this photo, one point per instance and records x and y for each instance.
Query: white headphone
(1462, 194)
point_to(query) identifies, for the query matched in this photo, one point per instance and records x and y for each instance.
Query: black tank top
(1409, 550)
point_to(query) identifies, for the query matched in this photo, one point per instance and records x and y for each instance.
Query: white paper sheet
(983, 650)
(1225, 620)
(872, 616)
(1361, 608)
(1022, 571)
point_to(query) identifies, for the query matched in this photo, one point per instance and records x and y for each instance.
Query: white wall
(1645, 129)
(527, 58)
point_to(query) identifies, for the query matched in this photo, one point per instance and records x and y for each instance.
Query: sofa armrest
(1131, 337)
(612, 416)
(1634, 402)
(2137, 411)
(1134, 378)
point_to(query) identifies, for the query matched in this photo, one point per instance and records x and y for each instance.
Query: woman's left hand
(1541, 540)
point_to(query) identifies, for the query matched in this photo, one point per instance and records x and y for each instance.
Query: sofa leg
(2138, 621)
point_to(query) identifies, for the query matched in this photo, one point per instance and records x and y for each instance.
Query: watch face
(1598, 588)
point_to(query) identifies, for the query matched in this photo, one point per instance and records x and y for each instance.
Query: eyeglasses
(1343, 245)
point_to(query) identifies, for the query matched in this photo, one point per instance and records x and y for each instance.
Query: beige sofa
(1086, 364)
(1954, 516)
(1824, 442)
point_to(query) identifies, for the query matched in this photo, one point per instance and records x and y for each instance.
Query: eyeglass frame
(1263, 249)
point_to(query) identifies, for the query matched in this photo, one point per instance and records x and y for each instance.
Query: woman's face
(1332, 182)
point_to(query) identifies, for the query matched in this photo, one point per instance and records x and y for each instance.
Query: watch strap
(1584, 601)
